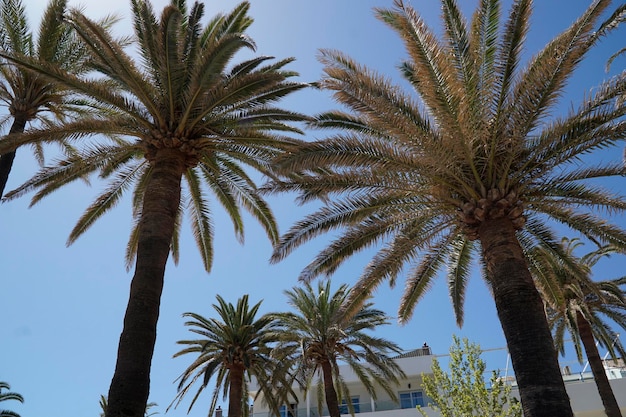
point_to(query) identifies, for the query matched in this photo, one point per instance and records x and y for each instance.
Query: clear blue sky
(62, 308)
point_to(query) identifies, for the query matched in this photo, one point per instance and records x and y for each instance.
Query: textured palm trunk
(524, 323)
(235, 396)
(611, 408)
(329, 390)
(128, 393)
(6, 160)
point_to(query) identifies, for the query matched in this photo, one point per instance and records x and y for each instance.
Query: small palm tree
(28, 96)
(233, 348)
(184, 113)
(471, 165)
(318, 335)
(580, 306)
(5, 396)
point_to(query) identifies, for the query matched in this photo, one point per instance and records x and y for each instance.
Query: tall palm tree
(30, 97)
(476, 165)
(234, 347)
(318, 335)
(5, 396)
(180, 113)
(580, 306)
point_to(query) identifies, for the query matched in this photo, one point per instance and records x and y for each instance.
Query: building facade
(581, 388)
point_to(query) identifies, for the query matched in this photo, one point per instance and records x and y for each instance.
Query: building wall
(583, 394)
(586, 401)
(413, 367)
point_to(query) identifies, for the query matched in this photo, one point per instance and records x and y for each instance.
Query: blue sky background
(62, 308)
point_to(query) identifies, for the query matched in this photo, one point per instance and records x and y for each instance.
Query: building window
(411, 399)
(289, 411)
(343, 408)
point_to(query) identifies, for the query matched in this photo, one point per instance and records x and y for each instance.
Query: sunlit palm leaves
(319, 334)
(474, 164)
(585, 309)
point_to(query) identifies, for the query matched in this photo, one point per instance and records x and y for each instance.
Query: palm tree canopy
(236, 338)
(479, 144)
(477, 165)
(323, 328)
(568, 293)
(181, 100)
(31, 97)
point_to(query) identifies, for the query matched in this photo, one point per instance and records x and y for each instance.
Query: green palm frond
(200, 212)
(546, 75)
(106, 201)
(16, 36)
(459, 269)
(6, 396)
(420, 279)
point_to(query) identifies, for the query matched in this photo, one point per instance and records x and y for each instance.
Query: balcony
(363, 409)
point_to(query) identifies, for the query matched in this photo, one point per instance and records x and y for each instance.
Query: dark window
(343, 408)
(291, 411)
(411, 399)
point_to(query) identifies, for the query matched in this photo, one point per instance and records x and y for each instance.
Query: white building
(581, 388)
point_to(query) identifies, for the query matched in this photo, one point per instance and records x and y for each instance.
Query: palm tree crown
(31, 97)
(183, 113)
(476, 167)
(234, 345)
(319, 334)
(584, 308)
(184, 105)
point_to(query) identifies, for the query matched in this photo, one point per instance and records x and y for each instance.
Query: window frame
(416, 397)
(356, 404)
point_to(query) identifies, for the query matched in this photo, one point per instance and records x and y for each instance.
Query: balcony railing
(364, 407)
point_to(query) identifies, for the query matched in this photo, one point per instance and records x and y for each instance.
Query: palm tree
(181, 113)
(317, 336)
(580, 306)
(5, 396)
(234, 347)
(477, 167)
(28, 96)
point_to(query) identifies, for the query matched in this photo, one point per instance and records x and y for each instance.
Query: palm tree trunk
(523, 321)
(6, 160)
(130, 386)
(611, 408)
(329, 390)
(235, 392)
